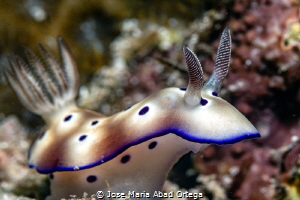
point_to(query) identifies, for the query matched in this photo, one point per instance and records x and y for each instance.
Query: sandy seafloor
(127, 50)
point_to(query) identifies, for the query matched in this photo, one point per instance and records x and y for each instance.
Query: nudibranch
(133, 150)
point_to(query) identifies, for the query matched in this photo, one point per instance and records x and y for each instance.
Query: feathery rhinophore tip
(192, 95)
(213, 85)
(223, 56)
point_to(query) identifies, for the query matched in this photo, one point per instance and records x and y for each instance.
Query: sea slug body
(133, 150)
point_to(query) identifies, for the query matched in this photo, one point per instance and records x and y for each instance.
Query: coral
(16, 177)
(121, 84)
(259, 30)
(144, 57)
(264, 85)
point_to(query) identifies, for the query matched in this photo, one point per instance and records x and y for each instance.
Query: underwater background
(127, 50)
